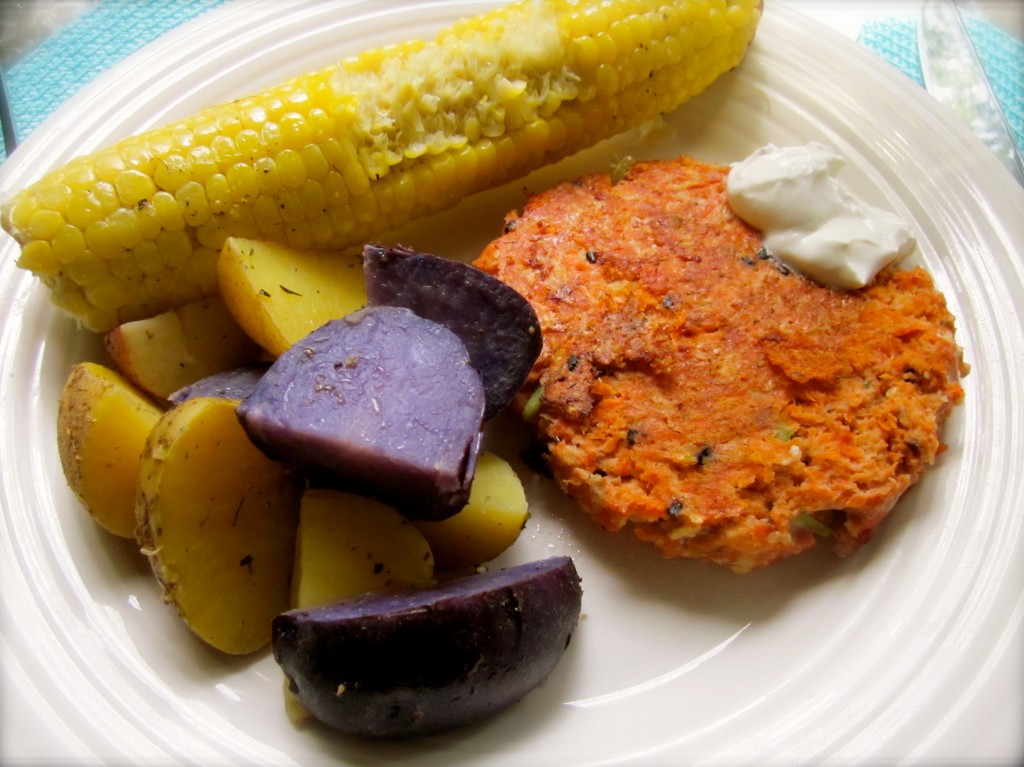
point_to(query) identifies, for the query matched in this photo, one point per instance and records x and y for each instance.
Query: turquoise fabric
(59, 67)
(102, 36)
(1001, 56)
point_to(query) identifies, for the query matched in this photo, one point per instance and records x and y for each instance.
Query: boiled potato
(498, 326)
(381, 402)
(280, 294)
(350, 545)
(218, 521)
(413, 663)
(491, 522)
(102, 426)
(163, 353)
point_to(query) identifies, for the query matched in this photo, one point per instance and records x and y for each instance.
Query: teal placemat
(1001, 56)
(73, 57)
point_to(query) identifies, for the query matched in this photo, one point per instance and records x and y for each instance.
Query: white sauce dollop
(810, 221)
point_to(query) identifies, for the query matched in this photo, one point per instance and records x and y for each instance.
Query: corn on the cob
(338, 156)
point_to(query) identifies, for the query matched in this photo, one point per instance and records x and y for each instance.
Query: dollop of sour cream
(810, 221)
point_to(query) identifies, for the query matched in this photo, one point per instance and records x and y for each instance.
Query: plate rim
(37, 143)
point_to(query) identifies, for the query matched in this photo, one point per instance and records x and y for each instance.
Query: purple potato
(238, 384)
(382, 402)
(498, 326)
(396, 665)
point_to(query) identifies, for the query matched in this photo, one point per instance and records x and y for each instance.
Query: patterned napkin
(105, 34)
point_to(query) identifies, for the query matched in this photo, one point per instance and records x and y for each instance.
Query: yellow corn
(335, 157)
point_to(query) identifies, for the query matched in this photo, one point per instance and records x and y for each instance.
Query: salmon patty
(697, 391)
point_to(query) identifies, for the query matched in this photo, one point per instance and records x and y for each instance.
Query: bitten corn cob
(333, 158)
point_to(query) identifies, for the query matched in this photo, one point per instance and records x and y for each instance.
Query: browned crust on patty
(699, 393)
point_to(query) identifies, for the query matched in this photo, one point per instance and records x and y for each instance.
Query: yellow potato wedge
(488, 524)
(163, 353)
(217, 520)
(102, 426)
(350, 545)
(279, 294)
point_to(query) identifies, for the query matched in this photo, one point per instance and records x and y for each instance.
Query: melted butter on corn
(335, 157)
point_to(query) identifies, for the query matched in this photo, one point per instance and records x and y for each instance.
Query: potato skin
(383, 403)
(102, 426)
(399, 665)
(498, 326)
(217, 520)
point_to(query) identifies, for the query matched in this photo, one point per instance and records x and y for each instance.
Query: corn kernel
(536, 137)
(101, 239)
(268, 216)
(290, 204)
(225, 152)
(38, 257)
(403, 190)
(585, 54)
(507, 154)
(445, 171)
(242, 183)
(87, 269)
(227, 122)
(127, 269)
(291, 169)
(109, 164)
(355, 178)
(314, 202)
(297, 235)
(607, 81)
(267, 176)
(105, 292)
(124, 228)
(204, 268)
(335, 191)
(175, 246)
(385, 194)
(212, 232)
(166, 211)
(321, 231)
(68, 244)
(202, 162)
(425, 183)
(364, 207)
(55, 196)
(44, 224)
(79, 173)
(241, 222)
(149, 258)
(71, 299)
(295, 130)
(133, 186)
(343, 221)
(487, 159)
(170, 172)
(218, 193)
(272, 138)
(314, 162)
(192, 202)
(321, 124)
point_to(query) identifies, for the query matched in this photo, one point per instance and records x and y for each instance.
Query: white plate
(909, 650)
